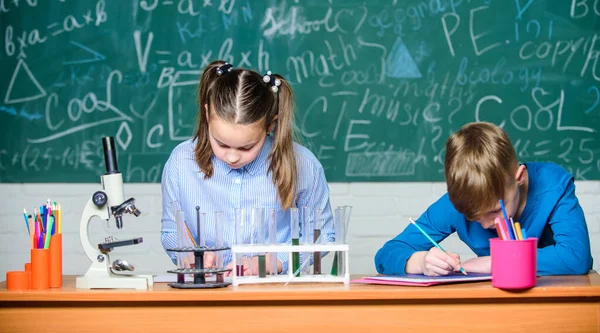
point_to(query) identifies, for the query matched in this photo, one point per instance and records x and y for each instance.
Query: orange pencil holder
(56, 261)
(40, 268)
(28, 267)
(18, 280)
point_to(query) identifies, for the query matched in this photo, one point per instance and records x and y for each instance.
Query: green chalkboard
(379, 84)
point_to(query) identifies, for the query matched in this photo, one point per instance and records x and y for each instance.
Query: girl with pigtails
(242, 156)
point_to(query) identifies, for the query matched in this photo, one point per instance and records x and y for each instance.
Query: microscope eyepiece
(110, 155)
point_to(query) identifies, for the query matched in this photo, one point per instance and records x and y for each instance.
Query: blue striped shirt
(246, 187)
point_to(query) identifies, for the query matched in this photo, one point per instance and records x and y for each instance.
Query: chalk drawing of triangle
(400, 64)
(88, 55)
(27, 84)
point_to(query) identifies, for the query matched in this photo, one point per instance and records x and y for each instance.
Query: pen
(462, 270)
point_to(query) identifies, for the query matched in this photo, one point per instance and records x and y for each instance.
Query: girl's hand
(253, 269)
(209, 259)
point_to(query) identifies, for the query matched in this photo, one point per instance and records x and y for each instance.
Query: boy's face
(512, 200)
(511, 204)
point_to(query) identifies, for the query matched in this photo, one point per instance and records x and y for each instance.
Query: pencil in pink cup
(514, 265)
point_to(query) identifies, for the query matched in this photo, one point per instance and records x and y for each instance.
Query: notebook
(420, 280)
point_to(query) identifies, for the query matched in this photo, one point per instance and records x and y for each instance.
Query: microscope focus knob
(99, 198)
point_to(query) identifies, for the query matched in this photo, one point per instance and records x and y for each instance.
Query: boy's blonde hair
(480, 165)
(240, 96)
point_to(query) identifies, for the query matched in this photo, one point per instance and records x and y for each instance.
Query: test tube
(219, 220)
(347, 213)
(317, 240)
(339, 231)
(183, 258)
(240, 225)
(272, 221)
(200, 242)
(258, 226)
(345, 218)
(180, 232)
(295, 233)
(306, 239)
(200, 227)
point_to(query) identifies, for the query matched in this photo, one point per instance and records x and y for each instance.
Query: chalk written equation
(379, 85)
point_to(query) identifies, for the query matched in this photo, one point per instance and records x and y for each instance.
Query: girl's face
(235, 144)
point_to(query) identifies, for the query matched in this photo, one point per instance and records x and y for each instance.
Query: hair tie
(226, 68)
(272, 81)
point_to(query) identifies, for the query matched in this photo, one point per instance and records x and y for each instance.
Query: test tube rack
(199, 271)
(342, 249)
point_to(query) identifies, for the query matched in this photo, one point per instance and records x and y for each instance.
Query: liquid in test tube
(295, 231)
(219, 220)
(240, 226)
(317, 240)
(306, 239)
(272, 223)
(258, 226)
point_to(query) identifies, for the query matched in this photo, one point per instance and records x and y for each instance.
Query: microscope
(110, 201)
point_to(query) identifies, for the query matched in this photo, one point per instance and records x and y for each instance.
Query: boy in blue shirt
(481, 167)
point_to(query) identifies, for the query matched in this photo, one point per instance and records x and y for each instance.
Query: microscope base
(139, 282)
(99, 276)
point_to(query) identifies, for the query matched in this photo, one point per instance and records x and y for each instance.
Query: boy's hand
(478, 265)
(438, 262)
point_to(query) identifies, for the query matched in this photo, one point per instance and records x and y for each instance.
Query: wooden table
(557, 304)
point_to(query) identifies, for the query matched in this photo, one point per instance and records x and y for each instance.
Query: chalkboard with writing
(379, 84)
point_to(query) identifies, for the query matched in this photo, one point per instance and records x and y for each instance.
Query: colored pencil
(49, 233)
(26, 221)
(499, 229)
(506, 220)
(59, 220)
(518, 231)
(514, 229)
(190, 235)
(31, 233)
(503, 231)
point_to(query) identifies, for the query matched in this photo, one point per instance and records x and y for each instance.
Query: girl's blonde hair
(240, 96)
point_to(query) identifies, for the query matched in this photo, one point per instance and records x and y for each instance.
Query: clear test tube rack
(341, 249)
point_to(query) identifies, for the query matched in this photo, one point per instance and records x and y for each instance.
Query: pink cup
(514, 264)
